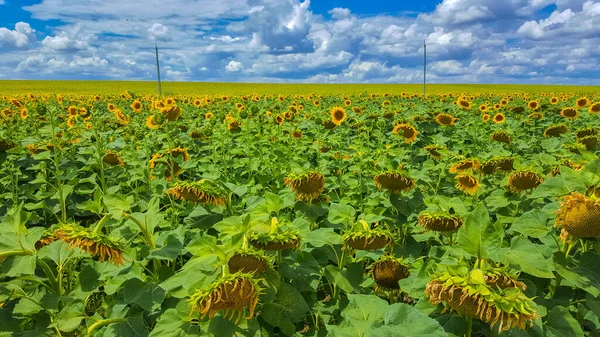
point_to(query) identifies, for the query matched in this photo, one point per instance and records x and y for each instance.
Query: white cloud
(20, 37)
(72, 40)
(339, 13)
(234, 66)
(226, 38)
(158, 32)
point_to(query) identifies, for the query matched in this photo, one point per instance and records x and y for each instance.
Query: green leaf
(404, 320)
(117, 204)
(173, 323)
(147, 295)
(273, 202)
(322, 237)
(348, 280)
(532, 223)
(560, 323)
(288, 307)
(14, 266)
(560, 185)
(586, 275)
(526, 256)
(338, 213)
(478, 236)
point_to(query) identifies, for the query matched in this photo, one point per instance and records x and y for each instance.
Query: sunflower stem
(100, 224)
(469, 327)
(102, 323)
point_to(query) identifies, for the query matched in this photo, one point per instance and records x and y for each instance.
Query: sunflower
(113, 159)
(387, 271)
(594, 108)
(578, 217)
(248, 261)
(297, 134)
(232, 293)
(463, 104)
(197, 102)
(394, 181)
(501, 136)
(276, 240)
(586, 132)
(582, 102)
(204, 192)
(569, 113)
(72, 110)
(533, 105)
(122, 117)
(169, 163)
(471, 296)
(347, 102)
(136, 106)
(151, 123)
(338, 115)
(111, 107)
(555, 130)
(6, 144)
(465, 165)
(386, 103)
(590, 142)
(499, 118)
(554, 100)
(486, 117)
(171, 112)
(316, 102)
(169, 101)
(488, 167)
(467, 183)
(96, 244)
(556, 170)
(440, 221)
(505, 164)
(434, 151)
(234, 126)
(524, 181)
(24, 113)
(367, 238)
(307, 186)
(208, 115)
(445, 119)
(407, 131)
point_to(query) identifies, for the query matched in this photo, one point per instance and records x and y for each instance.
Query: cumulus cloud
(20, 37)
(68, 41)
(585, 22)
(158, 32)
(339, 13)
(234, 66)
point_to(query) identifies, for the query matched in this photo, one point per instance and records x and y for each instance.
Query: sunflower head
(98, 245)
(524, 180)
(463, 103)
(467, 183)
(203, 191)
(569, 113)
(505, 164)
(440, 221)
(582, 102)
(590, 142)
(583, 132)
(278, 240)
(499, 118)
(307, 186)
(394, 181)
(501, 136)
(366, 238)
(248, 261)
(387, 271)
(406, 131)
(533, 105)
(113, 159)
(233, 293)
(136, 106)
(578, 216)
(171, 112)
(6, 144)
(338, 115)
(445, 119)
(470, 295)
(434, 151)
(555, 130)
(465, 165)
(488, 167)
(594, 108)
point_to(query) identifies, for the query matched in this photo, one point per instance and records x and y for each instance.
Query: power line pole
(158, 70)
(424, 67)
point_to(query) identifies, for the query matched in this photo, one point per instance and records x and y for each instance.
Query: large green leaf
(478, 236)
(532, 223)
(526, 256)
(560, 323)
(584, 275)
(340, 213)
(288, 307)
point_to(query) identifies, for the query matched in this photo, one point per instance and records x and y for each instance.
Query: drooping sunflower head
(233, 294)
(366, 238)
(590, 142)
(277, 240)
(297, 134)
(524, 180)
(387, 271)
(338, 115)
(248, 261)
(171, 112)
(6, 144)
(594, 108)
(578, 217)
(471, 296)
(556, 130)
(307, 186)
(566, 162)
(113, 159)
(582, 102)
(394, 181)
(499, 278)
(505, 164)
(467, 183)
(98, 245)
(569, 113)
(407, 131)
(203, 191)
(501, 136)
(151, 123)
(445, 119)
(488, 167)
(463, 103)
(434, 151)
(234, 126)
(584, 132)
(440, 221)
(465, 165)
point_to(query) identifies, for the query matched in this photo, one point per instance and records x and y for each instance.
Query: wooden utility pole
(158, 70)
(424, 67)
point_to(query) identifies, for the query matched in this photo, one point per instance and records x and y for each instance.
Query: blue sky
(339, 41)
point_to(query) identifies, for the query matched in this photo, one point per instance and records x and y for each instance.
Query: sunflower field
(453, 214)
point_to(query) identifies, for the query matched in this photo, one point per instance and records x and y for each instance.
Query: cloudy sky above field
(338, 41)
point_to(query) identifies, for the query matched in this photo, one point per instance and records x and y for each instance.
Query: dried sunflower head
(467, 183)
(470, 295)
(501, 136)
(555, 130)
(366, 238)
(524, 181)
(276, 240)
(113, 159)
(440, 221)
(583, 132)
(248, 261)
(590, 142)
(578, 217)
(233, 294)
(394, 181)
(98, 245)
(307, 186)
(434, 151)
(387, 271)
(203, 191)
(465, 165)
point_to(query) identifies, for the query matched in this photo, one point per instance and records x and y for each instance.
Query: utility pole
(158, 70)
(424, 67)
